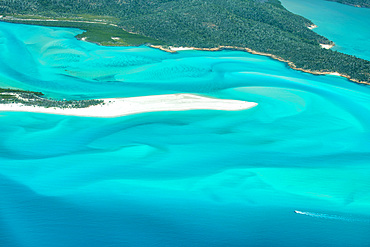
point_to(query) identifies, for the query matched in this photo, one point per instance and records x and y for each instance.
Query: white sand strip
(326, 46)
(181, 48)
(116, 107)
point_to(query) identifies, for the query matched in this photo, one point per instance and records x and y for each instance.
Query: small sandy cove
(116, 107)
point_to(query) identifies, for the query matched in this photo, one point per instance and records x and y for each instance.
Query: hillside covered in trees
(357, 3)
(264, 26)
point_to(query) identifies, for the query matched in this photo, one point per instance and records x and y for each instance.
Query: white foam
(329, 216)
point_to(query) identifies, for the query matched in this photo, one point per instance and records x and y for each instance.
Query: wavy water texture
(190, 178)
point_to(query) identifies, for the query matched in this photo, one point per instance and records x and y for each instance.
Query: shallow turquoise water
(346, 25)
(192, 178)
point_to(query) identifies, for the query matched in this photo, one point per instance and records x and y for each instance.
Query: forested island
(29, 98)
(356, 3)
(263, 26)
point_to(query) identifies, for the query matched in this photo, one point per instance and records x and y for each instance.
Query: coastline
(291, 64)
(172, 49)
(117, 107)
(325, 46)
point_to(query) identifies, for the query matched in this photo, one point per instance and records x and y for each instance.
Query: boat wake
(330, 216)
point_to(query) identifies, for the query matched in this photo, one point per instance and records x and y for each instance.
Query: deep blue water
(346, 25)
(191, 178)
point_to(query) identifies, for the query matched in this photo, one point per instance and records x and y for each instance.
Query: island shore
(116, 107)
(181, 48)
(325, 46)
(291, 64)
(313, 26)
(173, 49)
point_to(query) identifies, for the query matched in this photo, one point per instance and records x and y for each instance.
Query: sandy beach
(116, 107)
(180, 48)
(312, 27)
(327, 46)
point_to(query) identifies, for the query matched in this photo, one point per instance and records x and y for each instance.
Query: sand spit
(116, 107)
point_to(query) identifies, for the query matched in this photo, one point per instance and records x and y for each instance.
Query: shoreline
(291, 64)
(325, 46)
(117, 107)
(172, 49)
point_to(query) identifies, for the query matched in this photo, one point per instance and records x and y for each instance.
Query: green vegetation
(10, 90)
(357, 3)
(12, 96)
(264, 26)
(80, 17)
(113, 36)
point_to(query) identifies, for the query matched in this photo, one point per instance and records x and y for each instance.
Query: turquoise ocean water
(191, 178)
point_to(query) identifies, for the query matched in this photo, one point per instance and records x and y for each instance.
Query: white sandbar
(116, 107)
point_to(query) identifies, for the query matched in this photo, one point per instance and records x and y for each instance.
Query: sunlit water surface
(192, 178)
